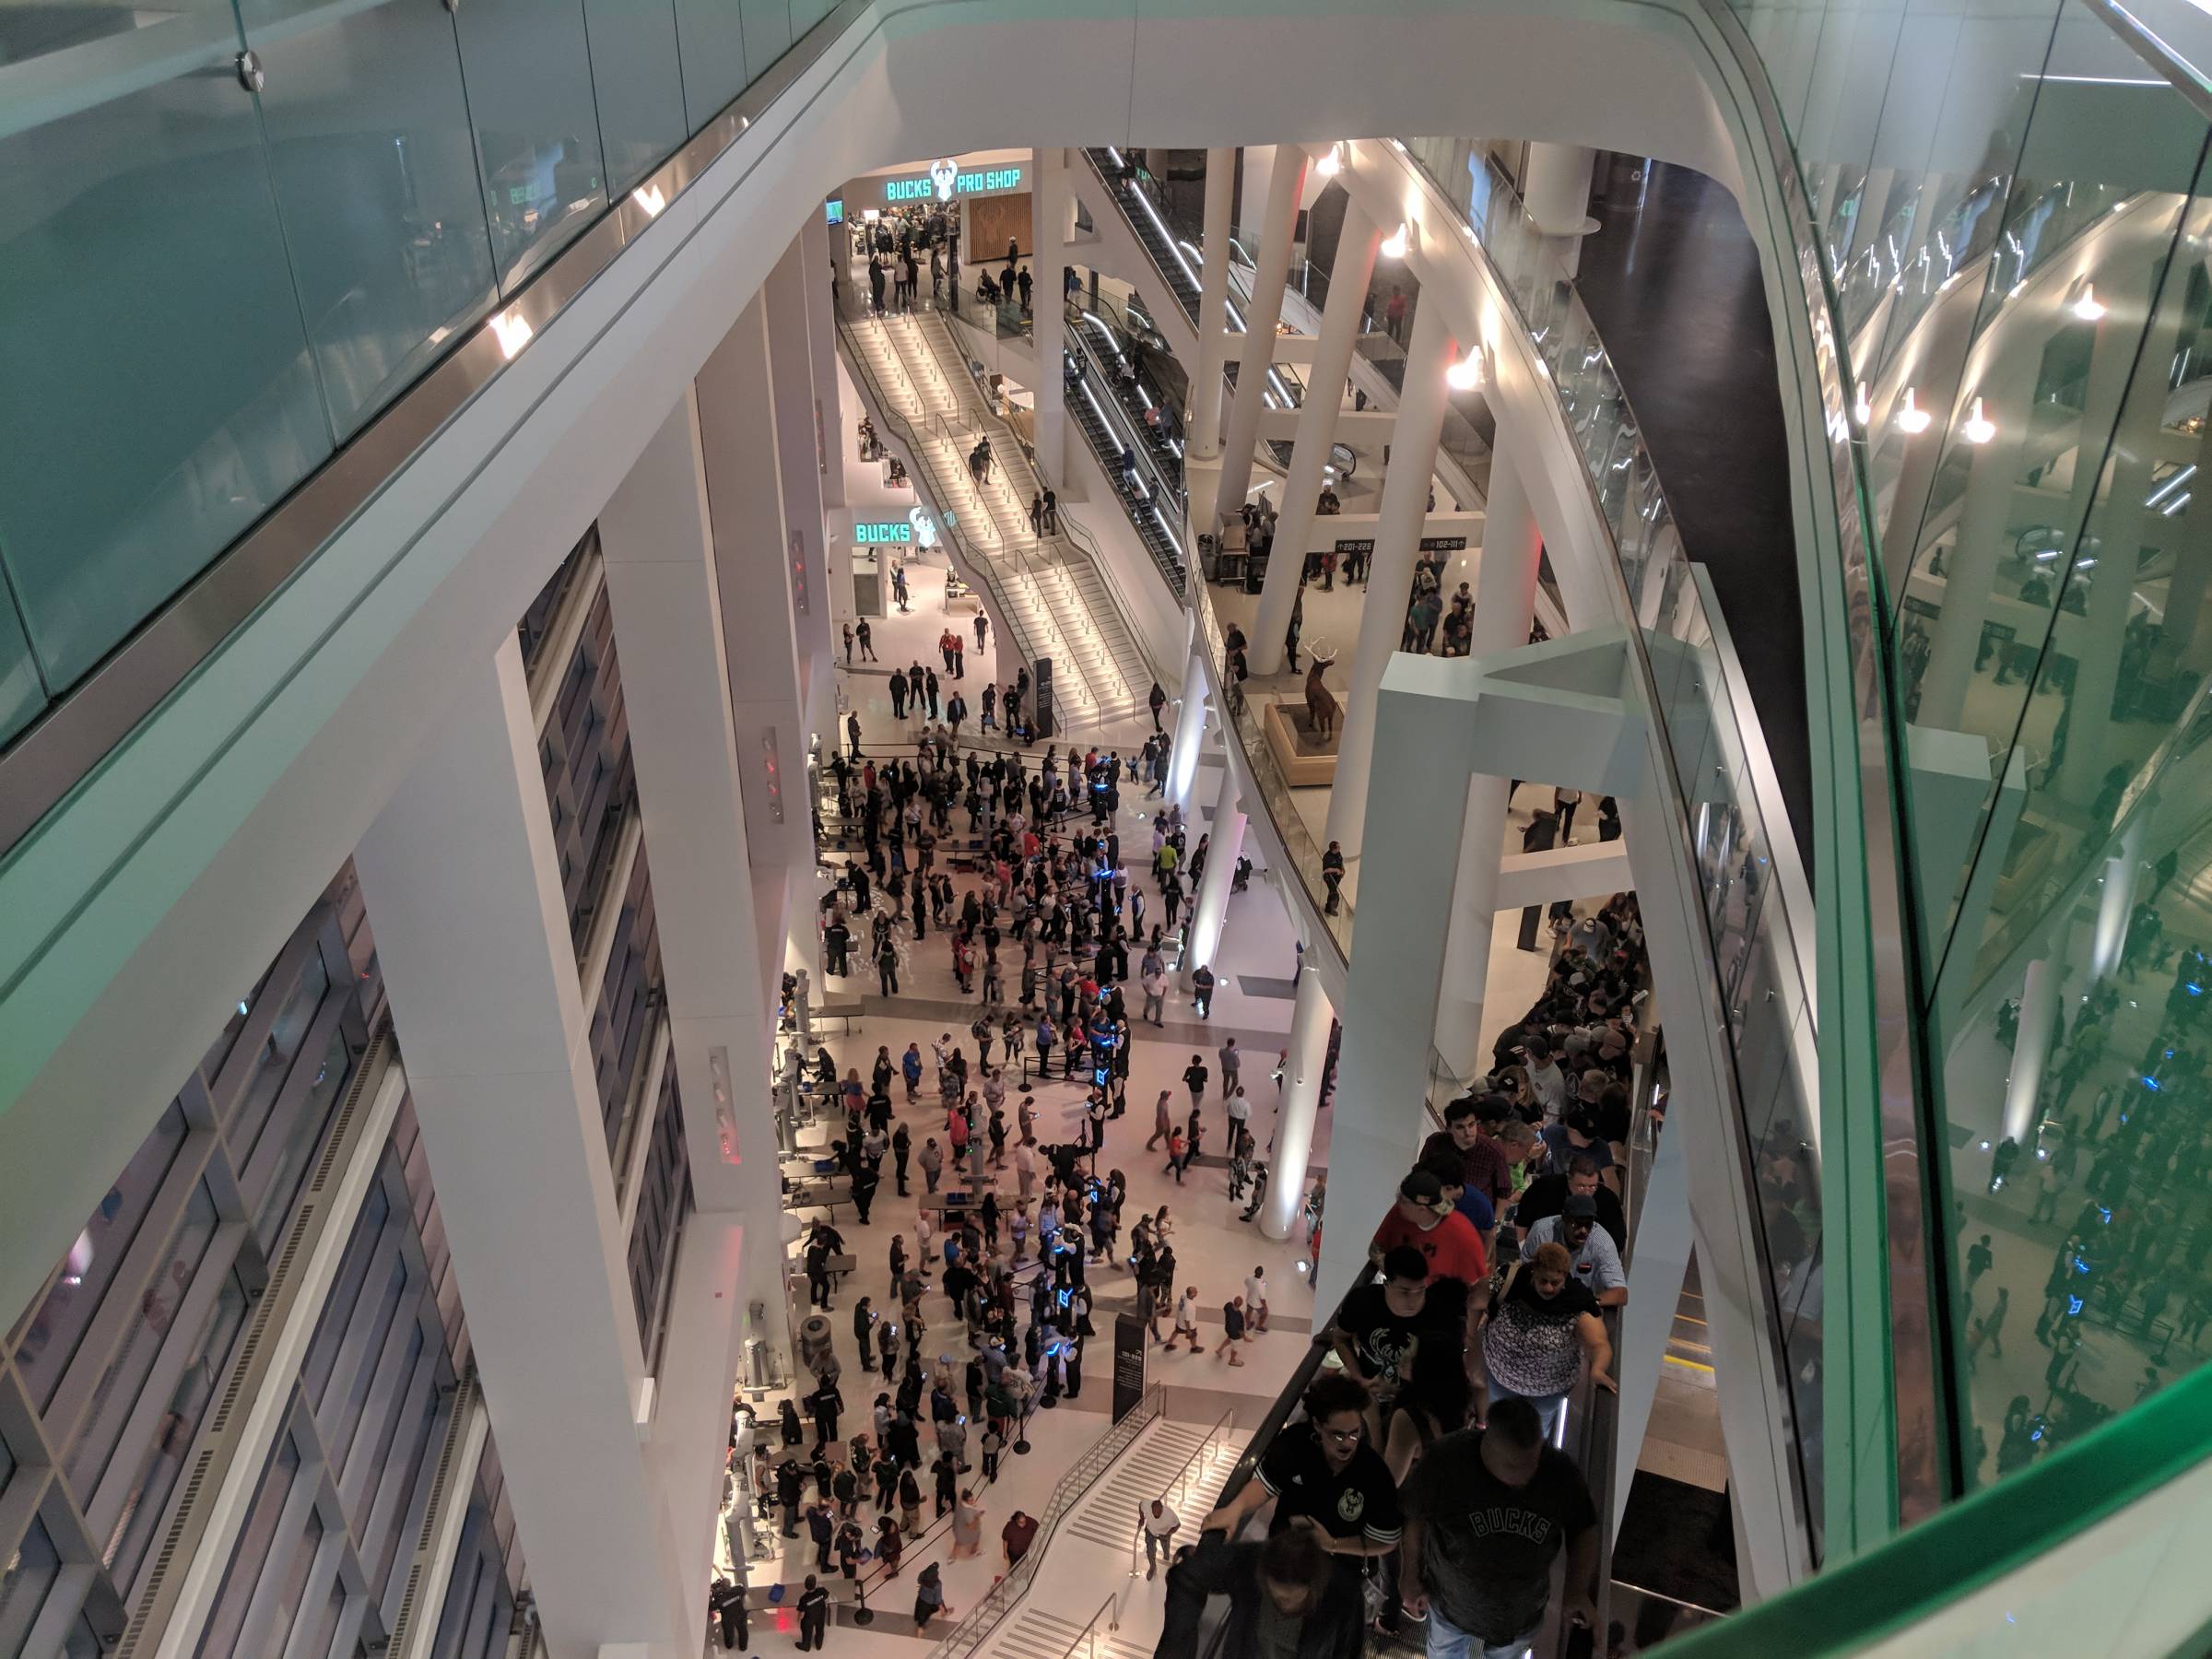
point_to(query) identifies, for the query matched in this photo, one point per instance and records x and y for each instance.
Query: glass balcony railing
(2022, 297)
(255, 223)
(1760, 963)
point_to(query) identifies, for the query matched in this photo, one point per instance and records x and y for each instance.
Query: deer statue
(1322, 707)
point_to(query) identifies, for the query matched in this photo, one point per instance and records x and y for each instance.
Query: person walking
(1479, 1584)
(814, 1601)
(1231, 1061)
(1156, 700)
(967, 1525)
(1163, 1120)
(1160, 1524)
(1194, 1079)
(1255, 1299)
(929, 1599)
(1186, 1321)
(1232, 1330)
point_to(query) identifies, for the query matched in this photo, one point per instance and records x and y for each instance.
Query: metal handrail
(976, 561)
(1041, 553)
(1208, 1448)
(1090, 1632)
(988, 567)
(988, 1614)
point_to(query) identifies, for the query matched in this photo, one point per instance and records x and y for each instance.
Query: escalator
(1149, 221)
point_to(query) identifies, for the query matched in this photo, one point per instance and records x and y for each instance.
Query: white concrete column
(2121, 530)
(1303, 1063)
(2116, 900)
(1405, 507)
(1259, 174)
(1209, 906)
(1986, 530)
(1213, 305)
(1505, 606)
(1190, 733)
(1048, 312)
(740, 439)
(1557, 195)
(1316, 431)
(1397, 960)
(1664, 1241)
(1984, 533)
(818, 262)
(460, 875)
(1267, 310)
(658, 539)
(798, 445)
(2182, 632)
(2031, 1049)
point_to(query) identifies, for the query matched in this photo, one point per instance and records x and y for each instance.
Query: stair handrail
(977, 562)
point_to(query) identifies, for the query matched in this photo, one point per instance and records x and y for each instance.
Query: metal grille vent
(441, 1486)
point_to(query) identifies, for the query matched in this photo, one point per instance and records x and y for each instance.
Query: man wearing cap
(1547, 1195)
(1597, 1263)
(1447, 1239)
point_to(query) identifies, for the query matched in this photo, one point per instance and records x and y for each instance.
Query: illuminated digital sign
(945, 181)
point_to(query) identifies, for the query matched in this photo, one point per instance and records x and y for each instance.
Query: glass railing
(1760, 959)
(2026, 312)
(1245, 719)
(250, 228)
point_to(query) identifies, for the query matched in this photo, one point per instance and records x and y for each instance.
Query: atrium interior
(739, 735)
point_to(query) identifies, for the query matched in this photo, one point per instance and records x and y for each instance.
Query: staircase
(1051, 597)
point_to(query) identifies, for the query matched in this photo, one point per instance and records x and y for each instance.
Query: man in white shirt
(1256, 1301)
(1545, 1078)
(1186, 1321)
(1239, 1109)
(1159, 1522)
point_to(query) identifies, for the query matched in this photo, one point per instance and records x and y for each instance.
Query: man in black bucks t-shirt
(1485, 1511)
(1323, 1471)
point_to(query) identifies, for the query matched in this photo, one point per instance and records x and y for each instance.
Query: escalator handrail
(1978, 1540)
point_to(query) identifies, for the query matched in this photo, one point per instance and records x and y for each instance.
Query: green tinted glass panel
(806, 13)
(368, 131)
(529, 76)
(156, 392)
(638, 84)
(22, 694)
(711, 39)
(766, 32)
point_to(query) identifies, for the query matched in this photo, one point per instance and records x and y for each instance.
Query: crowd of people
(1420, 1481)
(1064, 899)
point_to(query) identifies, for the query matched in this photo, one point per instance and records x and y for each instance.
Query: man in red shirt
(1444, 1237)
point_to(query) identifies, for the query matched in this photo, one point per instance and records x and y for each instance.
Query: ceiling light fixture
(1394, 245)
(1912, 419)
(1978, 427)
(2088, 308)
(1332, 164)
(1465, 374)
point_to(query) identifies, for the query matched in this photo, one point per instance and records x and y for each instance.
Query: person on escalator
(1284, 1600)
